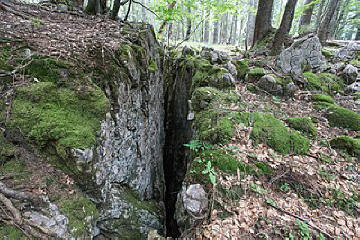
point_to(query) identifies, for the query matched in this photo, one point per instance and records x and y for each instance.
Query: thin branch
(128, 11)
(145, 7)
(303, 220)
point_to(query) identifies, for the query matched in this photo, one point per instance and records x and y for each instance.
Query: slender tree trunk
(233, 31)
(341, 20)
(285, 27)
(188, 25)
(143, 11)
(324, 28)
(250, 23)
(240, 31)
(224, 28)
(263, 20)
(305, 19)
(216, 32)
(319, 14)
(206, 31)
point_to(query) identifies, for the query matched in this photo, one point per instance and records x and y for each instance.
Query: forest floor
(320, 189)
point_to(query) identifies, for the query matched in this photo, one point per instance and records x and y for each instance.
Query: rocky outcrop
(304, 54)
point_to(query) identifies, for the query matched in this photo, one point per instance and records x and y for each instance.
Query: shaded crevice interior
(178, 131)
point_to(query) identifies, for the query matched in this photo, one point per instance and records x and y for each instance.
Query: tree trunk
(324, 28)
(319, 14)
(224, 28)
(206, 31)
(335, 21)
(285, 27)
(233, 31)
(216, 33)
(143, 11)
(250, 24)
(188, 25)
(357, 37)
(95, 7)
(263, 20)
(342, 20)
(305, 19)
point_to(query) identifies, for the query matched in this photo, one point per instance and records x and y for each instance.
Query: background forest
(233, 21)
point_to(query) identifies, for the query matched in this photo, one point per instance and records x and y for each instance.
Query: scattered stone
(269, 84)
(188, 51)
(350, 74)
(191, 206)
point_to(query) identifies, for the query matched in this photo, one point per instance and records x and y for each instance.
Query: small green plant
(271, 202)
(211, 172)
(285, 187)
(304, 230)
(196, 146)
(257, 189)
(325, 175)
(36, 22)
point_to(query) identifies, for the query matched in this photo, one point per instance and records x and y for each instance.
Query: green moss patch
(303, 124)
(242, 67)
(11, 233)
(209, 97)
(255, 74)
(80, 212)
(7, 150)
(349, 144)
(70, 118)
(325, 82)
(341, 117)
(322, 98)
(271, 131)
(15, 168)
(215, 126)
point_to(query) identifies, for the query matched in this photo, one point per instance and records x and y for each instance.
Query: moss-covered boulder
(271, 131)
(215, 126)
(349, 144)
(209, 97)
(322, 98)
(255, 74)
(325, 82)
(339, 116)
(303, 124)
(242, 67)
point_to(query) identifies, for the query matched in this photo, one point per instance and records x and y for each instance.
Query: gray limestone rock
(231, 68)
(349, 51)
(191, 206)
(269, 84)
(303, 54)
(350, 74)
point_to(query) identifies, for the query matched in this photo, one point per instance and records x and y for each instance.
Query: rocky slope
(106, 136)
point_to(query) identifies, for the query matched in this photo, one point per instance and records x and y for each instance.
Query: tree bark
(216, 33)
(335, 21)
(206, 31)
(188, 25)
(94, 7)
(224, 28)
(324, 28)
(143, 11)
(305, 19)
(233, 31)
(263, 20)
(285, 27)
(250, 24)
(319, 14)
